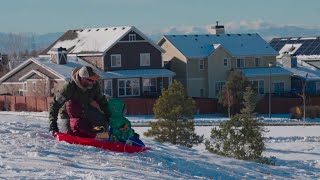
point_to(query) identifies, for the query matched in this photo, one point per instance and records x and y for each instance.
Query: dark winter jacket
(77, 99)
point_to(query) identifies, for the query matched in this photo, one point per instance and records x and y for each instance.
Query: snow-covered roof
(303, 69)
(288, 48)
(305, 46)
(252, 72)
(64, 70)
(193, 46)
(93, 40)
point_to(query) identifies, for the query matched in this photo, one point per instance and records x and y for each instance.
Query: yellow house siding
(178, 61)
(286, 79)
(197, 78)
(217, 71)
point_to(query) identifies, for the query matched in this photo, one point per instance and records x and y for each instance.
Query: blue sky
(42, 16)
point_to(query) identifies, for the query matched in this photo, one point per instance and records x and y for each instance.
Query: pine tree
(231, 95)
(174, 110)
(241, 136)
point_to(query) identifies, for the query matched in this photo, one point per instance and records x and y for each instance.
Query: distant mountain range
(36, 41)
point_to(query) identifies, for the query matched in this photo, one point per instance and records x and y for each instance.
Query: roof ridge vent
(185, 35)
(114, 28)
(239, 34)
(123, 28)
(228, 34)
(97, 29)
(106, 29)
(89, 30)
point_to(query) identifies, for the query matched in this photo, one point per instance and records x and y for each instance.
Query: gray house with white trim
(129, 63)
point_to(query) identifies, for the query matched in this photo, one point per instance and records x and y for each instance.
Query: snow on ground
(27, 151)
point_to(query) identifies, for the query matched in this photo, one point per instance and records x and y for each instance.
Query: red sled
(111, 146)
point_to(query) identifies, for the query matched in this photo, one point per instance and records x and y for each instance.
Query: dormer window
(132, 37)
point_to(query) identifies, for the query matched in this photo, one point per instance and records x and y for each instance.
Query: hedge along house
(202, 62)
(301, 56)
(129, 63)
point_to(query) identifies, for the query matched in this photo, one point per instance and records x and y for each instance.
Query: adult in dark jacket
(83, 103)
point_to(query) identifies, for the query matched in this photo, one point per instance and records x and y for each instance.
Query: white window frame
(106, 87)
(274, 86)
(144, 59)
(257, 61)
(202, 92)
(34, 86)
(201, 64)
(132, 88)
(132, 37)
(25, 86)
(117, 60)
(241, 63)
(147, 87)
(225, 62)
(258, 88)
(218, 86)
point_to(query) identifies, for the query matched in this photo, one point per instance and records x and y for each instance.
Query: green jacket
(73, 89)
(117, 120)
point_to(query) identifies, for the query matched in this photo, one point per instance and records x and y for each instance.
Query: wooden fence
(144, 106)
(134, 106)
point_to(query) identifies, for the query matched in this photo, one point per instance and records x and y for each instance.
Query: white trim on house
(201, 65)
(132, 28)
(33, 72)
(133, 41)
(144, 59)
(105, 82)
(125, 89)
(9, 83)
(117, 60)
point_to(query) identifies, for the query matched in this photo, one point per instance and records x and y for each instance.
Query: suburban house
(301, 56)
(202, 62)
(128, 62)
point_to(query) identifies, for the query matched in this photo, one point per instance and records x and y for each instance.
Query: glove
(136, 135)
(53, 128)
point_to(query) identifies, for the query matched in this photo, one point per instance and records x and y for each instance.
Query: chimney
(4, 59)
(289, 60)
(217, 29)
(59, 55)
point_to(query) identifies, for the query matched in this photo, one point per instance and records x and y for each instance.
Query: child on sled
(120, 126)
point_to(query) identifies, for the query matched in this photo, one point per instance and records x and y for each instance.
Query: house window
(132, 37)
(257, 62)
(34, 85)
(201, 64)
(116, 60)
(108, 87)
(278, 88)
(25, 86)
(225, 62)
(145, 59)
(128, 87)
(201, 92)
(150, 85)
(240, 63)
(219, 86)
(259, 86)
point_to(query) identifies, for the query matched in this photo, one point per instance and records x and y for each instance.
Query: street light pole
(270, 65)
(304, 99)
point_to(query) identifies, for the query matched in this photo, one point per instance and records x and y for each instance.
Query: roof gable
(94, 40)
(237, 44)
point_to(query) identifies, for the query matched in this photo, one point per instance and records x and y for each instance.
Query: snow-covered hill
(27, 151)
